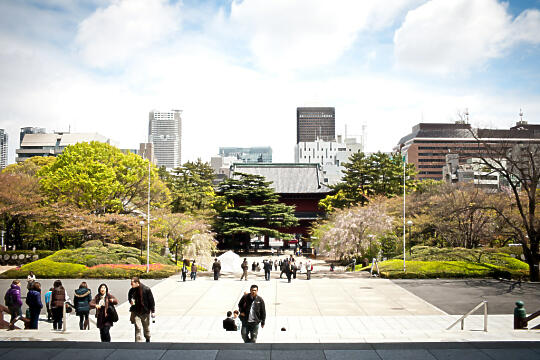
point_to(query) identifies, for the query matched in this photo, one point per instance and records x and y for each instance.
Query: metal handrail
(462, 319)
(374, 263)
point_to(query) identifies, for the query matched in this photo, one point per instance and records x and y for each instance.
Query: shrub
(92, 243)
(46, 269)
(444, 269)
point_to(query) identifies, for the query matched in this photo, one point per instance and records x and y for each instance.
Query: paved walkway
(353, 310)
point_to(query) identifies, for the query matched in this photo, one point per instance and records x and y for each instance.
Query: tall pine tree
(251, 208)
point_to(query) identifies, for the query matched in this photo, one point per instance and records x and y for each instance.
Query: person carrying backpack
(105, 312)
(13, 302)
(33, 300)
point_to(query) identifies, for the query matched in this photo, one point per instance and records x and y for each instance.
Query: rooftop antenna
(466, 115)
(520, 115)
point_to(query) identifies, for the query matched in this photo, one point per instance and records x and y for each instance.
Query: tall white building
(329, 154)
(165, 133)
(3, 148)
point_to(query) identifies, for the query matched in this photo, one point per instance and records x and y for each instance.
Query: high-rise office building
(314, 123)
(428, 144)
(43, 144)
(165, 133)
(3, 148)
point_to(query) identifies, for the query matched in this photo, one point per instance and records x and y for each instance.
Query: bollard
(520, 316)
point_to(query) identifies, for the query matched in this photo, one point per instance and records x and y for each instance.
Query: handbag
(68, 308)
(112, 315)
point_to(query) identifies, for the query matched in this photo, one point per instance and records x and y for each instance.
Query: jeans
(34, 318)
(83, 319)
(193, 275)
(216, 275)
(244, 275)
(57, 313)
(142, 325)
(309, 274)
(249, 332)
(104, 333)
(15, 312)
(184, 274)
(267, 275)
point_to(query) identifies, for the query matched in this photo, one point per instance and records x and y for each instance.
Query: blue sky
(239, 69)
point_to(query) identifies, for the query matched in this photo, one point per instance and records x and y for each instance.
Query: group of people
(142, 306)
(186, 267)
(250, 314)
(288, 266)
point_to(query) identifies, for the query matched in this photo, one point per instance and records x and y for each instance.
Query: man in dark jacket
(216, 268)
(267, 265)
(252, 312)
(228, 323)
(142, 307)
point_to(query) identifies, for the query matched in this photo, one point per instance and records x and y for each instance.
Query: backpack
(8, 298)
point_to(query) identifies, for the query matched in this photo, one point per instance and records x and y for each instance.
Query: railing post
(485, 315)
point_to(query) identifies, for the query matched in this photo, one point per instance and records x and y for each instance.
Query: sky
(239, 68)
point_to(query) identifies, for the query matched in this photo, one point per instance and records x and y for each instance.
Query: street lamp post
(142, 224)
(409, 223)
(148, 220)
(404, 163)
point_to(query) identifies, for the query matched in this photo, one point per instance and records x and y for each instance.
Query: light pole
(148, 219)
(409, 223)
(404, 163)
(142, 224)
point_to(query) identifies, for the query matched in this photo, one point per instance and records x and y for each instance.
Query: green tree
(100, 178)
(367, 176)
(252, 208)
(192, 188)
(30, 166)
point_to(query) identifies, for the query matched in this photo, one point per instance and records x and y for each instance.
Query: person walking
(245, 268)
(33, 300)
(48, 295)
(282, 267)
(294, 269)
(228, 323)
(81, 302)
(184, 270)
(193, 270)
(13, 302)
(142, 308)
(58, 300)
(267, 265)
(275, 265)
(309, 269)
(252, 313)
(103, 302)
(287, 268)
(216, 268)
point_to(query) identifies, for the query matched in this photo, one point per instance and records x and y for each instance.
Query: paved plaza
(355, 309)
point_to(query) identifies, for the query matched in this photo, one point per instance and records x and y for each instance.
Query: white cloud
(112, 35)
(295, 34)
(452, 36)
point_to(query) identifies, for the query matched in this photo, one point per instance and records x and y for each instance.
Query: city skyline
(239, 74)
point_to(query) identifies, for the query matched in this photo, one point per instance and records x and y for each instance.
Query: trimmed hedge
(393, 269)
(47, 269)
